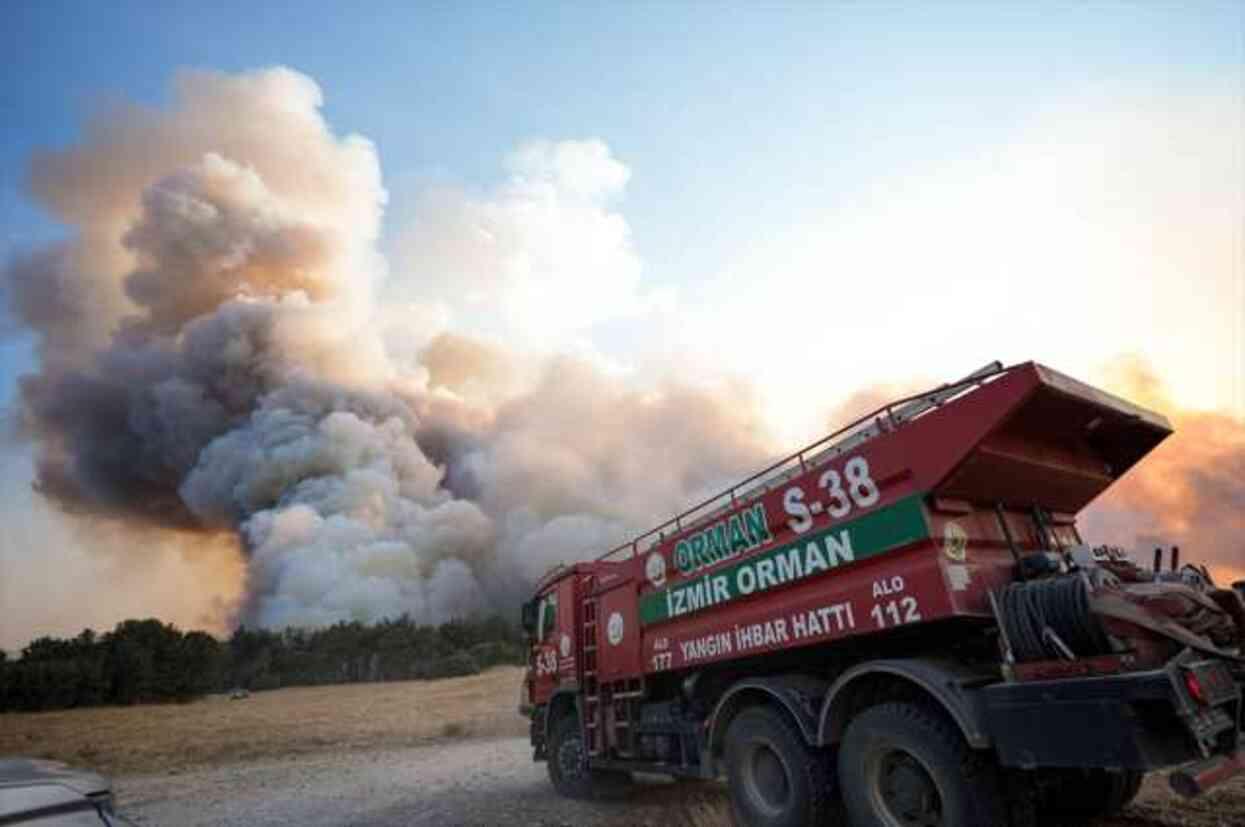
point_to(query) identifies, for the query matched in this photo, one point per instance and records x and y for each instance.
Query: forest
(148, 661)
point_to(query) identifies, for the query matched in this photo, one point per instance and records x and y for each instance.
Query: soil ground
(450, 752)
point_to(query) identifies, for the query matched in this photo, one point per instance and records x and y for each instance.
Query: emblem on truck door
(955, 542)
(564, 645)
(614, 629)
(655, 569)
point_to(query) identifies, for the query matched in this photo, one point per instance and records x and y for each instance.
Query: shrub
(144, 661)
(457, 665)
(497, 652)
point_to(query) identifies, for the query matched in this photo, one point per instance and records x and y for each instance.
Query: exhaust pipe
(1197, 779)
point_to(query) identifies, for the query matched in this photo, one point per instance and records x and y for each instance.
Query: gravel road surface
(473, 782)
(491, 781)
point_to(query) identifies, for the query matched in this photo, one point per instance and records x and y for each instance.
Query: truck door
(554, 650)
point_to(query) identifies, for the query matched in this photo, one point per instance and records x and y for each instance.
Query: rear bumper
(1140, 721)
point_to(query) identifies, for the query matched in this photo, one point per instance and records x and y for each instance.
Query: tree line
(148, 661)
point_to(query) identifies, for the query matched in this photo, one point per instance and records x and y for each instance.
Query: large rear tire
(775, 778)
(567, 763)
(907, 765)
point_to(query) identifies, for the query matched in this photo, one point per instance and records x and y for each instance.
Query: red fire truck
(900, 625)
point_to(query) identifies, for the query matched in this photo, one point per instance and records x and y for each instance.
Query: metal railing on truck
(886, 419)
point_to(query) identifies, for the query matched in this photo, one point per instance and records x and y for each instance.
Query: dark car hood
(21, 772)
(33, 789)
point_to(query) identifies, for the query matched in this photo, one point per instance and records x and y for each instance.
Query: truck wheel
(775, 778)
(903, 764)
(568, 765)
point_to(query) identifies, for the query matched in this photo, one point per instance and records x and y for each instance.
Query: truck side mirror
(528, 618)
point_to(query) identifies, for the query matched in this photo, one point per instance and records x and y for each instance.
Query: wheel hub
(908, 792)
(766, 777)
(571, 758)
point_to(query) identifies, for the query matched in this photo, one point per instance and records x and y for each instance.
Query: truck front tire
(775, 778)
(907, 764)
(567, 762)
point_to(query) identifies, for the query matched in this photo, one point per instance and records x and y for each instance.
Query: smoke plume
(214, 361)
(518, 257)
(1189, 492)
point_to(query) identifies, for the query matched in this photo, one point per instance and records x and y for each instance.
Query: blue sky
(709, 104)
(738, 122)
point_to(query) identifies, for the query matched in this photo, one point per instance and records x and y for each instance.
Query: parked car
(36, 793)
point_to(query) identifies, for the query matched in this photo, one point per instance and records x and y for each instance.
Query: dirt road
(473, 782)
(487, 782)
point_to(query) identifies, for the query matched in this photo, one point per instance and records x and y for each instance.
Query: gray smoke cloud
(214, 361)
(1190, 492)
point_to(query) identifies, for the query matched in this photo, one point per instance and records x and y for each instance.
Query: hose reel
(1049, 619)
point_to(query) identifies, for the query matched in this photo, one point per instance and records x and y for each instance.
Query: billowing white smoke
(539, 257)
(342, 512)
(213, 358)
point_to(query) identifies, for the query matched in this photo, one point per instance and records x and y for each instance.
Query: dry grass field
(283, 722)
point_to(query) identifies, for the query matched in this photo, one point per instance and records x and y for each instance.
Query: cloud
(541, 257)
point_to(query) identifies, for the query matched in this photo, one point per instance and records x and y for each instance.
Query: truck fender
(951, 685)
(799, 695)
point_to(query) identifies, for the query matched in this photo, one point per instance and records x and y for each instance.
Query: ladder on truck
(611, 705)
(886, 419)
(594, 737)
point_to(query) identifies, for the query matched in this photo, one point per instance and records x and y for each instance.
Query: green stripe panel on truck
(896, 525)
